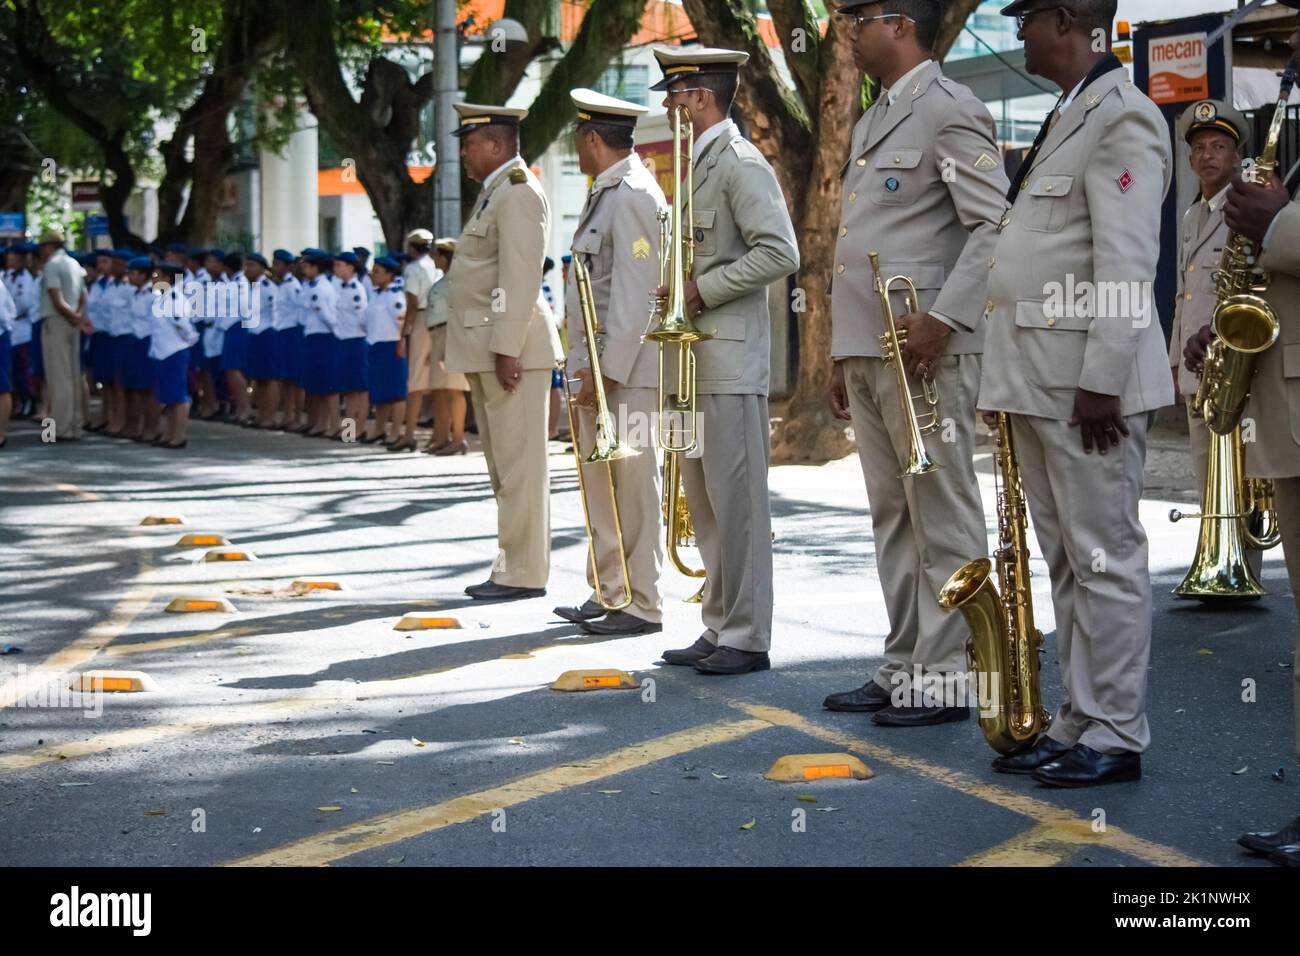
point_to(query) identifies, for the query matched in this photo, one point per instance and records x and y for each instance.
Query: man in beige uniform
(1078, 375)
(924, 187)
(617, 239)
(63, 310)
(500, 332)
(1272, 217)
(744, 241)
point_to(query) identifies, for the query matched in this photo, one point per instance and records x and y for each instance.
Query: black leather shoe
(729, 660)
(1044, 750)
(1268, 841)
(1081, 766)
(620, 622)
(701, 649)
(589, 611)
(891, 716)
(491, 591)
(867, 699)
(1288, 855)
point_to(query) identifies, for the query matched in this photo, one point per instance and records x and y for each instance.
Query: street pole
(446, 80)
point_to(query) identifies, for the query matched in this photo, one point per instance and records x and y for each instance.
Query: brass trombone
(891, 346)
(606, 446)
(674, 326)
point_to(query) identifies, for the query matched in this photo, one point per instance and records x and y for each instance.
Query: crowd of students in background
(329, 346)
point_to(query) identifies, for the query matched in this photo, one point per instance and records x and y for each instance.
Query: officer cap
(1217, 115)
(679, 64)
(596, 107)
(475, 116)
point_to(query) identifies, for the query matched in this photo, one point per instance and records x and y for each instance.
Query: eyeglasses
(1023, 18)
(857, 21)
(688, 89)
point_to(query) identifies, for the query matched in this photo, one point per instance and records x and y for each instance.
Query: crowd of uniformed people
(319, 344)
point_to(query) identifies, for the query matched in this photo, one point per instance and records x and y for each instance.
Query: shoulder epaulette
(518, 175)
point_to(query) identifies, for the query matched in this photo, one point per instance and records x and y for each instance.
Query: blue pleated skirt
(353, 364)
(172, 386)
(387, 373)
(234, 349)
(319, 364)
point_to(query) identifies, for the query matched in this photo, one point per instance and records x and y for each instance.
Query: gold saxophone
(1236, 512)
(1004, 643)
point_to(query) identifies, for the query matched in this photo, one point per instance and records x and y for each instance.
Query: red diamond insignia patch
(1125, 181)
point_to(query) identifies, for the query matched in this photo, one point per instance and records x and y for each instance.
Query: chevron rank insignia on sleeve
(985, 162)
(641, 248)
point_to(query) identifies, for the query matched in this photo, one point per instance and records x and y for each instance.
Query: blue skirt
(320, 364)
(101, 357)
(172, 386)
(122, 348)
(140, 373)
(387, 374)
(353, 364)
(36, 351)
(234, 349)
(260, 347)
(6, 361)
(285, 344)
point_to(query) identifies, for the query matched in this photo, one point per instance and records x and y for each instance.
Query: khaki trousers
(1288, 509)
(926, 527)
(1085, 513)
(726, 488)
(636, 491)
(512, 427)
(61, 343)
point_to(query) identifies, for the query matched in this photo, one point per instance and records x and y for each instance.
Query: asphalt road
(448, 747)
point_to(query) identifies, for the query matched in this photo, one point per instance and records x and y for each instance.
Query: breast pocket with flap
(1048, 204)
(899, 178)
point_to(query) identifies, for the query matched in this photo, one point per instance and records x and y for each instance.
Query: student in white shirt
(8, 313)
(169, 347)
(286, 352)
(102, 365)
(233, 319)
(352, 352)
(319, 354)
(261, 337)
(385, 314)
(139, 375)
(117, 316)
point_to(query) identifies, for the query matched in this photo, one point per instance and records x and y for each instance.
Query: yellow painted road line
(1046, 814)
(172, 643)
(1043, 845)
(389, 828)
(139, 736)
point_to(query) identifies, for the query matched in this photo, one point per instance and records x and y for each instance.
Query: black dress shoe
(867, 699)
(1288, 855)
(730, 660)
(1268, 841)
(1081, 766)
(589, 611)
(701, 649)
(620, 622)
(1044, 750)
(491, 591)
(892, 716)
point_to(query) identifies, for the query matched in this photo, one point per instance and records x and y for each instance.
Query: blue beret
(256, 257)
(214, 252)
(349, 257)
(389, 263)
(120, 254)
(284, 255)
(176, 247)
(143, 263)
(566, 258)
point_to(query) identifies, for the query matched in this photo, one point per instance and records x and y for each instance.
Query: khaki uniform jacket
(926, 190)
(1274, 402)
(1198, 260)
(494, 286)
(744, 241)
(617, 238)
(1086, 217)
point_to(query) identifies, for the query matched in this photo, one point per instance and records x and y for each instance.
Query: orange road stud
(115, 682)
(305, 584)
(196, 604)
(800, 768)
(201, 541)
(220, 555)
(162, 519)
(420, 621)
(606, 679)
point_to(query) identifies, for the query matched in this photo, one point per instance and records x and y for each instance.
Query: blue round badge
(891, 184)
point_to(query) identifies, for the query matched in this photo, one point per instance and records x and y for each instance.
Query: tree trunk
(955, 15)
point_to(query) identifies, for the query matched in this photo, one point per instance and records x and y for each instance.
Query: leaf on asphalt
(609, 792)
(355, 790)
(719, 776)
(806, 798)
(329, 809)
(155, 813)
(517, 741)
(417, 741)
(1279, 774)
(1181, 710)
(387, 763)
(691, 776)
(749, 825)
(1238, 773)
(257, 829)
(826, 809)
(1205, 652)
(657, 793)
(74, 785)
(368, 731)
(394, 860)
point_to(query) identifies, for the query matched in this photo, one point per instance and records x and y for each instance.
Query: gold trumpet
(606, 446)
(891, 346)
(674, 326)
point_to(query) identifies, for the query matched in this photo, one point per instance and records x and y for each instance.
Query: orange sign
(1179, 69)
